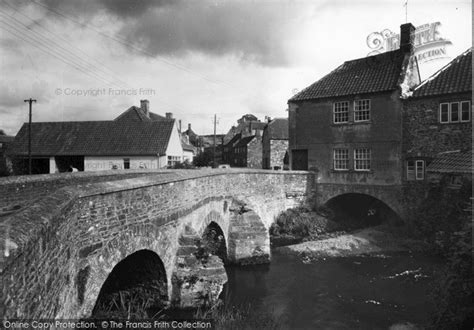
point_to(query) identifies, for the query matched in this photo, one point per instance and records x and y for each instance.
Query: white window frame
(450, 112)
(173, 160)
(419, 174)
(468, 111)
(337, 159)
(339, 108)
(415, 170)
(358, 110)
(367, 158)
(441, 113)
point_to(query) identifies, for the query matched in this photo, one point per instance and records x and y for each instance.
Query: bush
(301, 223)
(183, 165)
(455, 291)
(441, 215)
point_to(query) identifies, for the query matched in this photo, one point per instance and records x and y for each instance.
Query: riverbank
(367, 241)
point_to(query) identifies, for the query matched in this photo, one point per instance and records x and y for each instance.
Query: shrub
(301, 223)
(455, 291)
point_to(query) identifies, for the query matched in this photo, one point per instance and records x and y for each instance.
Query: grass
(232, 318)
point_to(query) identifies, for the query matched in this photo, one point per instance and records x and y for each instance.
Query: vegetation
(298, 224)
(204, 158)
(183, 165)
(444, 221)
(455, 292)
(230, 318)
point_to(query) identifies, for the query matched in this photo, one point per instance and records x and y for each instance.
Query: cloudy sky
(85, 60)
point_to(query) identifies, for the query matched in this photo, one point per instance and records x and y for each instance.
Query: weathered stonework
(59, 251)
(424, 135)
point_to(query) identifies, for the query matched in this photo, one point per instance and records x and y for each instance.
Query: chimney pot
(169, 115)
(145, 106)
(407, 37)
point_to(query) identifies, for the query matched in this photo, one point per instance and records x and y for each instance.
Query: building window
(173, 160)
(361, 110)
(341, 159)
(362, 159)
(455, 112)
(126, 163)
(415, 170)
(444, 112)
(465, 111)
(341, 112)
(420, 169)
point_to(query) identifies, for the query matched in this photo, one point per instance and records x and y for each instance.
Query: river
(336, 293)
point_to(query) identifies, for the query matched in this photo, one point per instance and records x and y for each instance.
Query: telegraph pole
(214, 149)
(30, 101)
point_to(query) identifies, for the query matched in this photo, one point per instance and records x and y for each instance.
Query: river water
(336, 293)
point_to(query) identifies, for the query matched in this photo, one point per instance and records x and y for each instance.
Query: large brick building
(348, 125)
(437, 117)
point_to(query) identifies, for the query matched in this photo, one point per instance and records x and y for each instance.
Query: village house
(275, 144)
(243, 143)
(347, 126)
(437, 120)
(205, 143)
(136, 139)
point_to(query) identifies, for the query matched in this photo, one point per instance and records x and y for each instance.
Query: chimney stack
(145, 106)
(189, 126)
(169, 115)
(407, 37)
(179, 126)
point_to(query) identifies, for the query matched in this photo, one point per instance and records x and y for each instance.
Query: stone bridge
(63, 249)
(59, 250)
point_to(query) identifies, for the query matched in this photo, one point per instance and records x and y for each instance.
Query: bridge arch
(137, 281)
(364, 208)
(391, 196)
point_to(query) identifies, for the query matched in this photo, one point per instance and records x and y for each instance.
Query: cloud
(247, 30)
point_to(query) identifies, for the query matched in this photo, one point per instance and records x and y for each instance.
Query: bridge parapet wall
(25, 189)
(88, 229)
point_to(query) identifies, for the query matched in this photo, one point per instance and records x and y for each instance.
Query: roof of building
(453, 162)
(95, 138)
(277, 129)
(244, 141)
(234, 139)
(370, 74)
(455, 77)
(6, 138)
(137, 114)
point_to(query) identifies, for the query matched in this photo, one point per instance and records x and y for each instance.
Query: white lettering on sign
(427, 41)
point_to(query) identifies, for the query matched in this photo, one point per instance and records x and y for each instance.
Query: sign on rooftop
(428, 43)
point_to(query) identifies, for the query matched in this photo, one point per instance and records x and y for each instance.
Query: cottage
(348, 125)
(275, 144)
(135, 139)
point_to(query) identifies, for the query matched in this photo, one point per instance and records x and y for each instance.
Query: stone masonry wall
(254, 153)
(278, 148)
(22, 190)
(88, 230)
(424, 135)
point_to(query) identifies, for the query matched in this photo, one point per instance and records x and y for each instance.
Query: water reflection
(337, 293)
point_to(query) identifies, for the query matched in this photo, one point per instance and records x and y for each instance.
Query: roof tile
(455, 77)
(364, 75)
